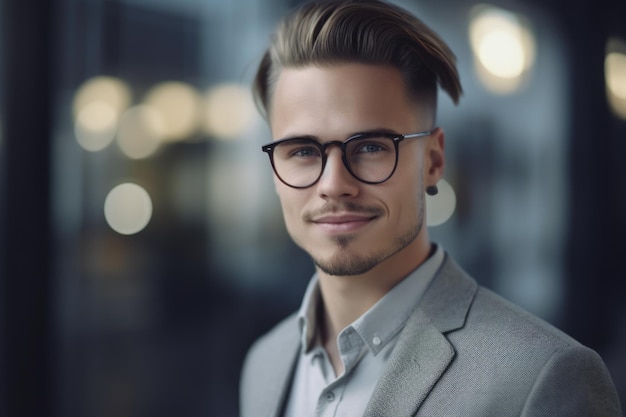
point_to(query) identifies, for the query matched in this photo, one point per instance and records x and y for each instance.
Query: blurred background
(142, 247)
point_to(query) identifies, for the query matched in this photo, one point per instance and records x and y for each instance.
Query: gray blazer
(464, 351)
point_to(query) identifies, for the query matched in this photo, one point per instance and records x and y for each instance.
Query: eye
(304, 152)
(372, 146)
(297, 149)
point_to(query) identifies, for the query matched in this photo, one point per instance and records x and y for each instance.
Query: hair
(333, 32)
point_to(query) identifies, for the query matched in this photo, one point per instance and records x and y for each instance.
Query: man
(389, 325)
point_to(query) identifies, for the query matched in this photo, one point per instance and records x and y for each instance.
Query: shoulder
(520, 360)
(458, 305)
(561, 371)
(270, 352)
(283, 335)
(506, 334)
(267, 368)
(494, 315)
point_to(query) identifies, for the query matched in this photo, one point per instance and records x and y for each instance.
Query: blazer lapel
(271, 372)
(281, 376)
(423, 352)
(416, 364)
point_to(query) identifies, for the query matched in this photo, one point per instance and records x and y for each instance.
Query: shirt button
(330, 396)
(376, 341)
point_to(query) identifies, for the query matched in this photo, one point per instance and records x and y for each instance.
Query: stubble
(345, 262)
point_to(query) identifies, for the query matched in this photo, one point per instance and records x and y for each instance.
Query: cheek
(405, 208)
(290, 203)
(277, 185)
(404, 200)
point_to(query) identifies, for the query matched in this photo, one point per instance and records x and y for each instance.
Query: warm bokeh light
(97, 106)
(501, 53)
(128, 209)
(178, 104)
(229, 111)
(109, 90)
(503, 47)
(141, 130)
(440, 207)
(615, 75)
(615, 65)
(95, 125)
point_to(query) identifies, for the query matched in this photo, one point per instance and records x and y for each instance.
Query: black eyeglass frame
(269, 149)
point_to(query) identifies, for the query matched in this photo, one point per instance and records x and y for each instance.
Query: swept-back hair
(331, 32)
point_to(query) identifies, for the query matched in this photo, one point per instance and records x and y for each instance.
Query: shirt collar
(385, 318)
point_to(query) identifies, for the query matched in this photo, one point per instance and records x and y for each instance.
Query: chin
(345, 262)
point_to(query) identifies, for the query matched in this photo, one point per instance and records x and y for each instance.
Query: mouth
(343, 223)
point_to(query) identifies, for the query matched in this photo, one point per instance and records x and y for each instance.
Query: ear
(434, 158)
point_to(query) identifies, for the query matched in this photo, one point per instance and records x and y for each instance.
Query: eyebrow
(360, 132)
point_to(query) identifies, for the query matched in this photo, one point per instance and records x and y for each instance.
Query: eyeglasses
(370, 157)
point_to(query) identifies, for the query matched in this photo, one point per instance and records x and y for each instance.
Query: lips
(343, 223)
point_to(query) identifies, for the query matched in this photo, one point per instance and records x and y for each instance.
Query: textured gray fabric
(268, 369)
(464, 352)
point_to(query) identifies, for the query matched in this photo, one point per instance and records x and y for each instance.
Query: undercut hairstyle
(333, 32)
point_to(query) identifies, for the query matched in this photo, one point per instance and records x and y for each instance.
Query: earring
(432, 190)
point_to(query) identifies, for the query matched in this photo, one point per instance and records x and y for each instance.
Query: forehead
(339, 100)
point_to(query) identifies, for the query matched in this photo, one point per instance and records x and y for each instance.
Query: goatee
(345, 263)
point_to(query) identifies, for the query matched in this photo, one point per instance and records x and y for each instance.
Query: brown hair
(364, 31)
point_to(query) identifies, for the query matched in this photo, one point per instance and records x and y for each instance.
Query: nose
(336, 181)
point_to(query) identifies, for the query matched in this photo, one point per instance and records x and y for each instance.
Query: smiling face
(349, 227)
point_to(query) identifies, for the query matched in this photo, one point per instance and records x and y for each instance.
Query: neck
(346, 298)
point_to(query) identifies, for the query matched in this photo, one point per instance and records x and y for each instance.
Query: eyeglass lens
(299, 162)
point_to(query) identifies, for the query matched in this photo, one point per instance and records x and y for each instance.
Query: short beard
(345, 263)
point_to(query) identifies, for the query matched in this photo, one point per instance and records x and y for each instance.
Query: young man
(389, 325)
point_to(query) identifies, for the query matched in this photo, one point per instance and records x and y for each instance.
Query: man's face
(349, 227)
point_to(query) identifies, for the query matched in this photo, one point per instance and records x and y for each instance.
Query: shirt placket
(350, 347)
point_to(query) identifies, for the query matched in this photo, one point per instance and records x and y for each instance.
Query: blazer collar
(449, 297)
(423, 353)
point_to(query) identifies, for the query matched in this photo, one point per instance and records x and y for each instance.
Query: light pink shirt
(364, 347)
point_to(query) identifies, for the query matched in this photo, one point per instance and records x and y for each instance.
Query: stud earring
(432, 190)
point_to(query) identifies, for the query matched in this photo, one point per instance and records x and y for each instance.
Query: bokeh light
(615, 65)
(440, 207)
(95, 125)
(501, 54)
(503, 47)
(110, 90)
(128, 208)
(179, 106)
(97, 105)
(228, 111)
(615, 75)
(141, 129)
